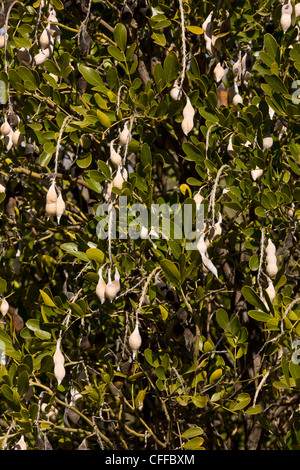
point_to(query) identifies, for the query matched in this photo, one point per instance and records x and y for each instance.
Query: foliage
(218, 365)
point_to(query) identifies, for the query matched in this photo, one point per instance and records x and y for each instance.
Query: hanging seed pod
(135, 340)
(51, 414)
(44, 54)
(118, 180)
(125, 174)
(5, 128)
(115, 157)
(285, 21)
(271, 291)
(4, 307)
(236, 68)
(60, 207)
(297, 10)
(59, 361)
(201, 245)
(237, 99)
(45, 39)
(209, 265)
(24, 56)
(272, 269)
(116, 281)
(2, 42)
(219, 72)
(267, 143)
(83, 445)
(110, 289)
(198, 198)
(2, 188)
(51, 200)
(21, 444)
(101, 286)
(125, 135)
(176, 92)
(217, 230)
(271, 259)
(8, 141)
(230, 149)
(256, 174)
(17, 137)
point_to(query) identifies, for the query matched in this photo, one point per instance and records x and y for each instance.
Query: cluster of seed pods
(55, 205)
(110, 289)
(115, 158)
(10, 132)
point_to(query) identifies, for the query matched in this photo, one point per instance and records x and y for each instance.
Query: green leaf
(215, 376)
(47, 299)
(253, 410)
(195, 29)
(23, 383)
(120, 36)
(95, 254)
(271, 46)
(171, 271)
(199, 401)
(116, 53)
(171, 67)
(103, 118)
(192, 432)
(194, 443)
(259, 316)
(241, 404)
(253, 299)
(3, 286)
(285, 370)
(222, 318)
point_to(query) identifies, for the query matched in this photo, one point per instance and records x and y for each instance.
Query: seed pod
(5, 128)
(125, 135)
(110, 289)
(219, 72)
(45, 39)
(101, 286)
(51, 200)
(135, 340)
(17, 137)
(267, 143)
(198, 198)
(230, 149)
(115, 157)
(187, 125)
(44, 54)
(209, 265)
(59, 361)
(8, 141)
(217, 227)
(118, 179)
(236, 68)
(237, 99)
(4, 307)
(256, 174)
(271, 291)
(188, 111)
(176, 92)
(2, 188)
(2, 42)
(270, 248)
(60, 207)
(116, 281)
(50, 415)
(21, 444)
(297, 10)
(24, 56)
(285, 22)
(201, 245)
(272, 269)
(17, 320)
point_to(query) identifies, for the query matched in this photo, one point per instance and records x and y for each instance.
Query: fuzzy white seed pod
(5, 129)
(272, 269)
(135, 340)
(8, 141)
(50, 415)
(236, 68)
(205, 24)
(285, 22)
(209, 265)
(21, 444)
(188, 111)
(44, 54)
(218, 227)
(270, 248)
(125, 174)
(230, 149)
(17, 137)
(287, 9)
(187, 125)
(256, 174)
(176, 92)
(267, 143)
(219, 72)
(2, 188)
(125, 135)
(100, 288)
(297, 10)
(24, 56)
(4, 307)
(110, 289)
(144, 232)
(271, 291)
(59, 361)
(115, 157)
(201, 245)
(2, 42)
(60, 207)
(237, 99)
(198, 198)
(118, 179)
(116, 281)
(51, 200)
(45, 39)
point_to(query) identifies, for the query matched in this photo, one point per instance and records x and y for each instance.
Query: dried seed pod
(209, 265)
(297, 10)
(285, 21)
(17, 320)
(116, 281)
(236, 68)
(110, 289)
(44, 54)
(198, 198)
(118, 180)
(125, 174)
(219, 72)
(270, 248)
(5, 128)
(2, 188)
(83, 445)
(51, 414)
(2, 42)
(135, 340)
(201, 245)
(267, 143)
(51, 200)
(125, 135)
(271, 291)
(24, 56)
(115, 157)
(21, 444)
(256, 174)
(101, 286)
(188, 111)
(4, 307)
(187, 125)
(60, 207)
(217, 230)
(230, 149)
(272, 269)
(8, 141)
(45, 39)
(59, 361)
